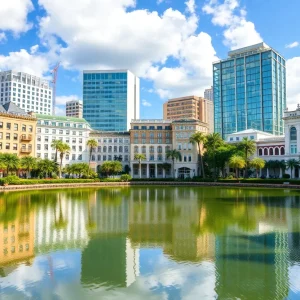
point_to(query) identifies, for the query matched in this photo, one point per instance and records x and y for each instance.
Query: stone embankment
(143, 183)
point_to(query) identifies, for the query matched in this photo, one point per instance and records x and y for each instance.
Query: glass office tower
(111, 99)
(250, 91)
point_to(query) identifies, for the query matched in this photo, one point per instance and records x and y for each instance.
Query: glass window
(293, 134)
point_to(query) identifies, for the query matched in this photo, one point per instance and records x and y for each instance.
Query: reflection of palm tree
(61, 222)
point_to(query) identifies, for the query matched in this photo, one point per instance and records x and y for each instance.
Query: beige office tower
(191, 107)
(74, 109)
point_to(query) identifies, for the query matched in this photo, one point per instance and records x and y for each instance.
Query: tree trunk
(257, 170)
(173, 168)
(236, 173)
(61, 159)
(140, 169)
(201, 161)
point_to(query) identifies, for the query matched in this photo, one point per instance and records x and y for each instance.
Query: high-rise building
(191, 107)
(111, 99)
(250, 90)
(74, 109)
(29, 92)
(209, 94)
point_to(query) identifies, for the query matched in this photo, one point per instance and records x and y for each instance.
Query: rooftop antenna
(54, 78)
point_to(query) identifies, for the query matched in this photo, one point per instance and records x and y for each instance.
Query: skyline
(170, 45)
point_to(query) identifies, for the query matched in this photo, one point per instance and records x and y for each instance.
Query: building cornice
(14, 116)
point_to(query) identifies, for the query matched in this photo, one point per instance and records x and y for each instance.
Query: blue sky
(169, 44)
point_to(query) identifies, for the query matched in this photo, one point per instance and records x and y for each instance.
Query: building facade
(191, 107)
(74, 109)
(111, 99)
(249, 90)
(153, 138)
(209, 94)
(17, 131)
(73, 131)
(29, 92)
(111, 146)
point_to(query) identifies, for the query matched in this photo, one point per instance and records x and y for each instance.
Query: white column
(164, 173)
(155, 166)
(280, 173)
(147, 165)
(267, 172)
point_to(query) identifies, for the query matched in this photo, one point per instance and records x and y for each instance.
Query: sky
(169, 44)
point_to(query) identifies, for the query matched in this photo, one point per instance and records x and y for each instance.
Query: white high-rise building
(209, 94)
(29, 92)
(74, 109)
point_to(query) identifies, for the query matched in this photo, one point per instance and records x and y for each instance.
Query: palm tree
(248, 147)
(199, 138)
(282, 166)
(46, 166)
(55, 145)
(291, 164)
(213, 141)
(9, 161)
(92, 144)
(237, 162)
(63, 149)
(140, 157)
(28, 163)
(174, 155)
(166, 166)
(258, 164)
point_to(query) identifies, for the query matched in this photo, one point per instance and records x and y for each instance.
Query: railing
(25, 137)
(26, 150)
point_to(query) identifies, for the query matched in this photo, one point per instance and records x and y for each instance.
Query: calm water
(150, 243)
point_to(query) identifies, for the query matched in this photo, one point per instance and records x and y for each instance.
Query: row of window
(9, 146)
(61, 124)
(151, 141)
(15, 126)
(67, 140)
(143, 149)
(151, 135)
(14, 136)
(110, 149)
(113, 140)
(13, 249)
(144, 127)
(67, 157)
(109, 157)
(47, 147)
(271, 151)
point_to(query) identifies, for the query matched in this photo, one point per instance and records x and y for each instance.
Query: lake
(150, 243)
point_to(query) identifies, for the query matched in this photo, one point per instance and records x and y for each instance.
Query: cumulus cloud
(23, 61)
(34, 49)
(60, 111)
(2, 37)
(62, 100)
(146, 103)
(238, 31)
(292, 45)
(13, 15)
(293, 82)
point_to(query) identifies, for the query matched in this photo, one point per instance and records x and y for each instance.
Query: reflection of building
(109, 258)
(61, 225)
(17, 238)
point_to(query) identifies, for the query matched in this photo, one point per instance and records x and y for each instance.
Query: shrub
(12, 179)
(287, 176)
(125, 177)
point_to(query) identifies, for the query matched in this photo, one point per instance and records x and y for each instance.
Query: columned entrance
(184, 173)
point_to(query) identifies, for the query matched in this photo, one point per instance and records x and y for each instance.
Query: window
(8, 136)
(293, 134)
(16, 126)
(136, 149)
(15, 147)
(8, 125)
(24, 128)
(293, 149)
(1, 124)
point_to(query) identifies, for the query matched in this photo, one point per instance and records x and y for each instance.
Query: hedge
(6, 180)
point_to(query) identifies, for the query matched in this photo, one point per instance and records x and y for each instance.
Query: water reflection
(172, 243)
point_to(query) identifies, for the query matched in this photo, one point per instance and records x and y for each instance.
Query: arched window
(144, 149)
(260, 152)
(104, 148)
(271, 151)
(136, 149)
(159, 149)
(293, 134)
(282, 151)
(276, 151)
(151, 149)
(266, 151)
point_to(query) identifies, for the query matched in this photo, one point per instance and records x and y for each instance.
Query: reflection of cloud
(294, 276)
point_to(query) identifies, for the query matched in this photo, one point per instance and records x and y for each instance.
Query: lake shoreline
(143, 183)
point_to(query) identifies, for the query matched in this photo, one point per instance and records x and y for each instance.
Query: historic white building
(73, 131)
(29, 92)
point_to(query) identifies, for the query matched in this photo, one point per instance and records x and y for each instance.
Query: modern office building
(111, 99)
(17, 131)
(209, 94)
(73, 131)
(250, 91)
(29, 92)
(191, 107)
(74, 108)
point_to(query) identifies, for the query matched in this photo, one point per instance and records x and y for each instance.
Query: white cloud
(2, 37)
(146, 103)
(61, 100)
(292, 45)
(34, 49)
(60, 111)
(191, 6)
(23, 61)
(293, 82)
(13, 15)
(238, 31)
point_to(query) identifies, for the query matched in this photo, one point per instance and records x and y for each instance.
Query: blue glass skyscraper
(111, 99)
(250, 91)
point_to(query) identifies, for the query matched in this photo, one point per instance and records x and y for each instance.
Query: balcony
(26, 138)
(26, 150)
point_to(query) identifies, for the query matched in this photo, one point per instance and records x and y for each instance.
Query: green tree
(28, 163)
(291, 164)
(282, 165)
(213, 141)
(237, 162)
(106, 168)
(92, 144)
(248, 147)
(173, 155)
(258, 164)
(63, 149)
(140, 157)
(9, 162)
(223, 154)
(117, 167)
(46, 166)
(55, 145)
(199, 138)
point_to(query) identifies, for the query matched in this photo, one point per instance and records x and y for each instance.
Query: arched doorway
(184, 173)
